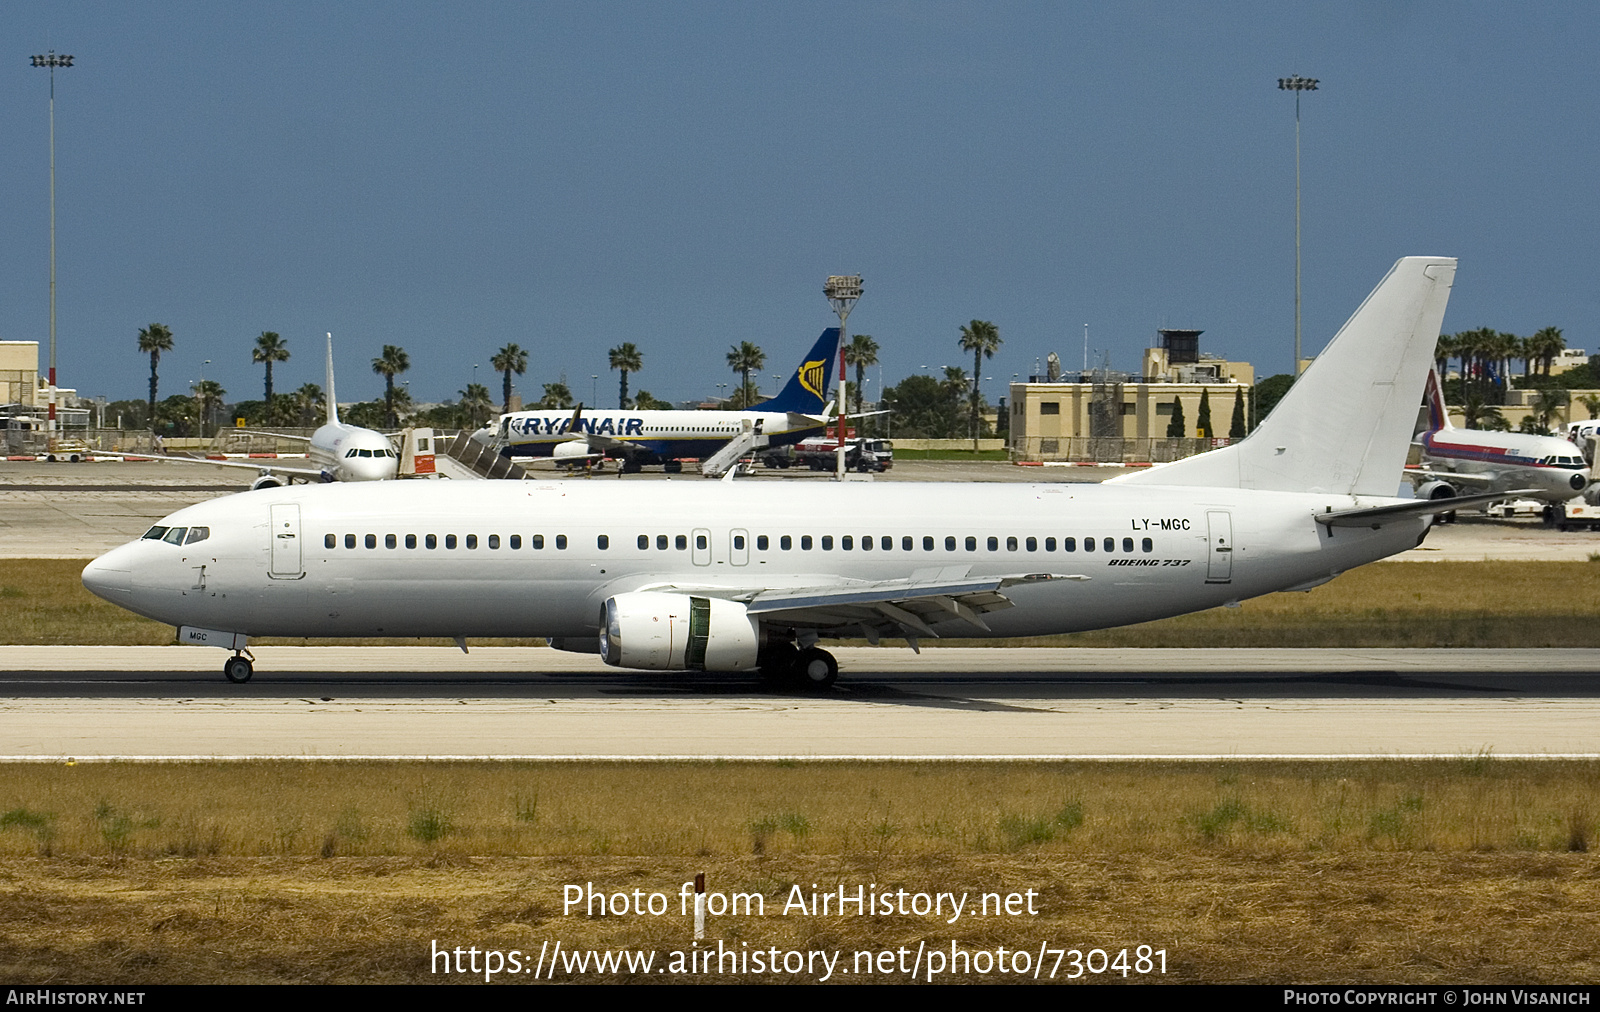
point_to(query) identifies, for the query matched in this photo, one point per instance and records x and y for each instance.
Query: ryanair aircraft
(672, 576)
(638, 438)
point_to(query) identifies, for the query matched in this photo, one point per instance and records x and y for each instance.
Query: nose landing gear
(238, 669)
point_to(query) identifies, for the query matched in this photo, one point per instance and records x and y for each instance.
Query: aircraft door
(1219, 555)
(739, 547)
(701, 547)
(285, 534)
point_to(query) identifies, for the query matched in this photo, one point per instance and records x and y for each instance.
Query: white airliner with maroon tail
(680, 575)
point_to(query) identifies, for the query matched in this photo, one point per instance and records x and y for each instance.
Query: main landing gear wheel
(238, 669)
(815, 668)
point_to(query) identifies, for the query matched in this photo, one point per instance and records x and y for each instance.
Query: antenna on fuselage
(333, 402)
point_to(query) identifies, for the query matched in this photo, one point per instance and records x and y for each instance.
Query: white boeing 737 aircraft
(685, 575)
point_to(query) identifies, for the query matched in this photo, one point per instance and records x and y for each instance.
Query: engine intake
(658, 631)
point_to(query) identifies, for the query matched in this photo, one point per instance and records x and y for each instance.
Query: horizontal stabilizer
(1377, 516)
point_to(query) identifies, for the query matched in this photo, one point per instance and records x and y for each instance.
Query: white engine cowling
(266, 481)
(676, 632)
(572, 449)
(1431, 490)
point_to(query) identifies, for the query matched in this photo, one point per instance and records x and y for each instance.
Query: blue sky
(570, 176)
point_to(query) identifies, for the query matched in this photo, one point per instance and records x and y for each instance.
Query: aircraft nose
(111, 575)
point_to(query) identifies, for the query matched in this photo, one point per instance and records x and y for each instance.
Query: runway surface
(344, 702)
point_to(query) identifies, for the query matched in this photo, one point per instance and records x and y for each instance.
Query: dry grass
(1441, 604)
(1462, 872)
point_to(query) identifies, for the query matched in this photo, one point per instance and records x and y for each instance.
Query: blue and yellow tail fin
(807, 390)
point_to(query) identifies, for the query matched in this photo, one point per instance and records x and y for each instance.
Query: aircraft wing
(260, 467)
(910, 608)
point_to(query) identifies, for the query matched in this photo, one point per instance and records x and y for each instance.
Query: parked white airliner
(336, 452)
(675, 575)
(1454, 460)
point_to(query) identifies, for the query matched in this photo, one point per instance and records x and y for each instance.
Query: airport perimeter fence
(1112, 450)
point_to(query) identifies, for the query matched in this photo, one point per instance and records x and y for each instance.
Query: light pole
(842, 291)
(1297, 84)
(52, 60)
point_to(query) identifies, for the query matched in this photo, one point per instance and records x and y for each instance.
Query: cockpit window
(154, 534)
(175, 535)
(350, 452)
(365, 453)
(197, 534)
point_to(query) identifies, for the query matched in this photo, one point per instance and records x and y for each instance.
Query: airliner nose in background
(689, 575)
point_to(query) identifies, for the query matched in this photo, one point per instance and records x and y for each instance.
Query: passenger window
(175, 535)
(330, 542)
(603, 542)
(827, 542)
(738, 542)
(1033, 544)
(516, 541)
(761, 542)
(390, 541)
(1049, 544)
(994, 544)
(805, 543)
(1070, 544)
(786, 543)
(197, 534)
(887, 543)
(847, 543)
(1088, 544)
(1011, 544)
(494, 541)
(700, 541)
(537, 541)
(644, 541)
(1127, 544)
(949, 544)
(1148, 545)
(411, 541)
(661, 542)
(432, 541)
(449, 540)
(472, 541)
(154, 534)
(908, 543)
(372, 541)
(349, 540)
(681, 542)
(1109, 544)
(561, 542)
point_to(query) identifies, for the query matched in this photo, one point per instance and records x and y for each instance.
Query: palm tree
(476, 407)
(745, 359)
(1548, 403)
(508, 360)
(1544, 346)
(390, 364)
(308, 399)
(207, 398)
(982, 338)
(644, 402)
(556, 395)
(861, 352)
(154, 339)
(269, 348)
(625, 358)
(1592, 403)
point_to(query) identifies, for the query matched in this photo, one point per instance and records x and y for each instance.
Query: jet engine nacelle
(266, 481)
(658, 631)
(572, 449)
(1432, 490)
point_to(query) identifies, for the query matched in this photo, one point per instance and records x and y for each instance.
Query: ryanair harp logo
(810, 376)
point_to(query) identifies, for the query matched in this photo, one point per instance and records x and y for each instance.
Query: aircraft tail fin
(1438, 414)
(808, 387)
(333, 401)
(1345, 425)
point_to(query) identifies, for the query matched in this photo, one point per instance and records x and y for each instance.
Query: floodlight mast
(842, 291)
(52, 60)
(1297, 84)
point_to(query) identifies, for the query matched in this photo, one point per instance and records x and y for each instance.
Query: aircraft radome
(682, 575)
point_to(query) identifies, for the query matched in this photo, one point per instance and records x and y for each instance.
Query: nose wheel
(238, 669)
